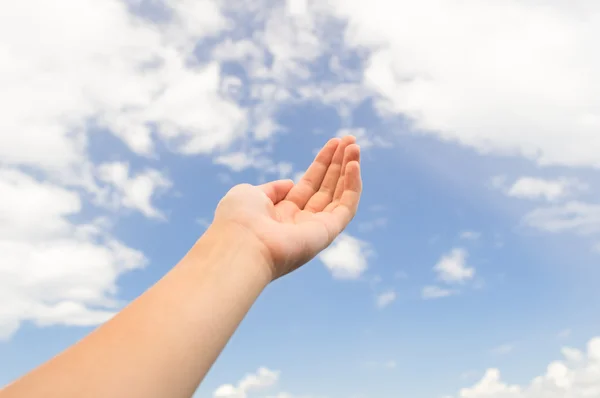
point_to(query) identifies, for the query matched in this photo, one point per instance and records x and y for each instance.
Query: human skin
(164, 342)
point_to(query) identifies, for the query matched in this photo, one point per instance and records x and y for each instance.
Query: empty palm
(294, 222)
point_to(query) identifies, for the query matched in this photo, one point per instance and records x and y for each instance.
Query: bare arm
(164, 343)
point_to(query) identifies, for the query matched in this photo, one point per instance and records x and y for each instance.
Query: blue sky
(475, 249)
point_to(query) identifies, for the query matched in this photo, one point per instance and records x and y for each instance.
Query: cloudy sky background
(471, 269)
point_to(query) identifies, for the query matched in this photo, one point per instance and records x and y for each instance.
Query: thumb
(277, 190)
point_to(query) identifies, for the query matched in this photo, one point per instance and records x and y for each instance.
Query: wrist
(234, 246)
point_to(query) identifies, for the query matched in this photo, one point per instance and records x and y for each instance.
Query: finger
(352, 154)
(344, 212)
(325, 194)
(312, 179)
(277, 190)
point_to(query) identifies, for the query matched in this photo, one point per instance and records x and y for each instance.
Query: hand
(291, 223)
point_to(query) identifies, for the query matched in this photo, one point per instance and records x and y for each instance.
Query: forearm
(163, 343)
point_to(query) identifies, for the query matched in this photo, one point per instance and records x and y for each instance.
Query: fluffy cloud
(346, 258)
(64, 77)
(277, 58)
(262, 379)
(579, 217)
(538, 188)
(54, 271)
(133, 192)
(62, 73)
(452, 267)
(289, 39)
(454, 70)
(576, 376)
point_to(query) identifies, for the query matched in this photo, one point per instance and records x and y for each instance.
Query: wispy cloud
(436, 292)
(385, 299)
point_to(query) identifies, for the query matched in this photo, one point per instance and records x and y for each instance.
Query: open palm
(294, 222)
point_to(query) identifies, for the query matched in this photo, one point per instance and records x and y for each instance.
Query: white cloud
(261, 380)
(364, 138)
(346, 258)
(135, 192)
(435, 292)
(195, 19)
(343, 96)
(54, 271)
(579, 217)
(277, 59)
(20, 211)
(130, 79)
(64, 75)
(572, 354)
(454, 70)
(490, 386)
(293, 42)
(452, 267)
(576, 376)
(252, 383)
(228, 391)
(538, 188)
(236, 161)
(384, 299)
(242, 160)
(297, 7)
